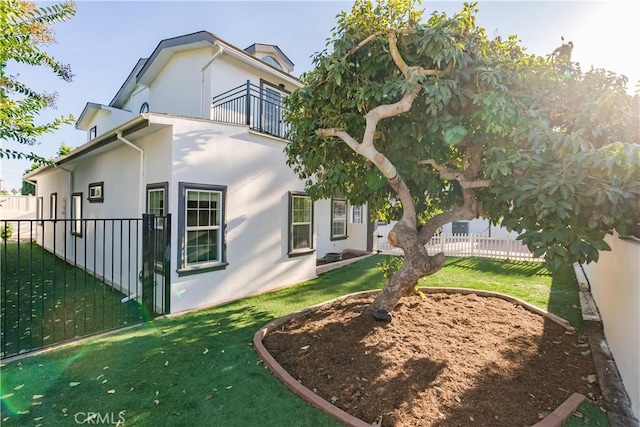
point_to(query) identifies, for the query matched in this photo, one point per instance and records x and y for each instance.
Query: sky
(104, 40)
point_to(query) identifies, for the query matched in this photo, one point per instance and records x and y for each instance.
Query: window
(300, 224)
(76, 214)
(357, 214)
(53, 206)
(96, 192)
(156, 205)
(40, 210)
(338, 219)
(201, 222)
(271, 109)
(144, 108)
(272, 61)
(93, 132)
(156, 199)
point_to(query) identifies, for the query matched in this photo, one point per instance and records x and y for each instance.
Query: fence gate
(156, 255)
(64, 279)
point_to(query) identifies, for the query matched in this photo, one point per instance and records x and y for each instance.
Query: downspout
(215, 55)
(70, 172)
(141, 151)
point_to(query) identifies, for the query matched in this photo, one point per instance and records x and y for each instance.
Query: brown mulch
(447, 360)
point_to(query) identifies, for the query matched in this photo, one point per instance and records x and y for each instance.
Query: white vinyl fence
(467, 246)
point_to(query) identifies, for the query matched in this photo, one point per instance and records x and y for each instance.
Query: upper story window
(144, 108)
(93, 132)
(272, 61)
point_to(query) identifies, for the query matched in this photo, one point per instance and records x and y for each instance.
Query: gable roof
(257, 46)
(146, 70)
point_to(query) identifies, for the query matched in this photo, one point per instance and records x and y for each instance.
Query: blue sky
(105, 39)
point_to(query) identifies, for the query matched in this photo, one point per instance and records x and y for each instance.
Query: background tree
(30, 189)
(451, 126)
(25, 31)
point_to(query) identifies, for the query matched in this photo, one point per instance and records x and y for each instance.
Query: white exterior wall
(258, 184)
(105, 120)
(615, 285)
(177, 89)
(481, 227)
(139, 96)
(356, 233)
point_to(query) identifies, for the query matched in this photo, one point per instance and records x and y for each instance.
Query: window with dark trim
(144, 108)
(300, 224)
(357, 214)
(93, 132)
(338, 219)
(40, 210)
(157, 205)
(53, 206)
(76, 214)
(96, 192)
(201, 228)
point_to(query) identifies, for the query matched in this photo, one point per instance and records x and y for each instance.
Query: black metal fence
(65, 279)
(260, 107)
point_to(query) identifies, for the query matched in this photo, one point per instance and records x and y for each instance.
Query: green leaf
(454, 135)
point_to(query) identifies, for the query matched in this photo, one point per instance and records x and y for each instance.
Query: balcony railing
(259, 107)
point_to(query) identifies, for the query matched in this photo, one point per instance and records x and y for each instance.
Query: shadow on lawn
(486, 265)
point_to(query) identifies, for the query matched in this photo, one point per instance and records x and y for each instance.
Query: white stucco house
(196, 131)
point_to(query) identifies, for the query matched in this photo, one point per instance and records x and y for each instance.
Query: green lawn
(201, 369)
(46, 300)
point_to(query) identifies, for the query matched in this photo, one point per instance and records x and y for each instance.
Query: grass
(46, 300)
(200, 368)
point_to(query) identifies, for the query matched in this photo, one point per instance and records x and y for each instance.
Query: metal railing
(259, 107)
(57, 286)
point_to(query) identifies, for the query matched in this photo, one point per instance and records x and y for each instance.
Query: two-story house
(195, 131)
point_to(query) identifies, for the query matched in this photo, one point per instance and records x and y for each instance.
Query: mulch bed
(447, 360)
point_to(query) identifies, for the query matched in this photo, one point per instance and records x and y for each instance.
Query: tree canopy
(454, 125)
(26, 29)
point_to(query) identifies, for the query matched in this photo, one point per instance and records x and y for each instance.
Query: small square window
(96, 192)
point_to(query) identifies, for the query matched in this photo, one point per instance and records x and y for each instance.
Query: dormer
(95, 119)
(272, 55)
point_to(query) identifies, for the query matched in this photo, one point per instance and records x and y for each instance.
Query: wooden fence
(468, 246)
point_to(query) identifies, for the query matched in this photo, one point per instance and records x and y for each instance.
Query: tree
(30, 189)
(26, 29)
(452, 126)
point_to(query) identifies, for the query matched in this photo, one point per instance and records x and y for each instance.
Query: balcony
(259, 107)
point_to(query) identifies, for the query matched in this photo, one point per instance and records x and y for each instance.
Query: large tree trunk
(417, 264)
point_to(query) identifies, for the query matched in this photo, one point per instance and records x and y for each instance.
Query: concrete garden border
(555, 419)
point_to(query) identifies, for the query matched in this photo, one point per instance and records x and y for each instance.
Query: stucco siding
(615, 285)
(177, 89)
(258, 183)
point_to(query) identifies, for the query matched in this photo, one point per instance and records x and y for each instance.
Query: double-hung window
(338, 219)
(53, 206)
(40, 210)
(156, 205)
(202, 227)
(76, 214)
(300, 224)
(357, 215)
